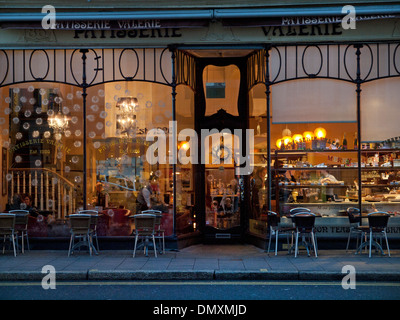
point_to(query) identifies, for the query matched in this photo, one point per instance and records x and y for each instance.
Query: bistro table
(373, 243)
(45, 213)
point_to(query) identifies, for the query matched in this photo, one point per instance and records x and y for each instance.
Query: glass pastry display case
(314, 177)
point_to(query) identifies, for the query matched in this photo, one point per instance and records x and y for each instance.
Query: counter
(334, 209)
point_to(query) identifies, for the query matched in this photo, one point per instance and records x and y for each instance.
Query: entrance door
(221, 107)
(223, 202)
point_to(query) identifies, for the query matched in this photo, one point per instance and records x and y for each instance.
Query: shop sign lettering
(303, 30)
(125, 146)
(123, 143)
(108, 25)
(346, 230)
(31, 142)
(135, 33)
(297, 21)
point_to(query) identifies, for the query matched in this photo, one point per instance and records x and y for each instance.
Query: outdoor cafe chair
(7, 230)
(145, 229)
(80, 228)
(355, 220)
(21, 227)
(298, 209)
(378, 222)
(94, 215)
(159, 233)
(274, 228)
(304, 223)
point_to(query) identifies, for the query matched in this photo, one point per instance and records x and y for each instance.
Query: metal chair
(7, 229)
(304, 222)
(159, 233)
(298, 209)
(378, 222)
(80, 228)
(273, 221)
(355, 225)
(21, 226)
(144, 229)
(93, 225)
(294, 211)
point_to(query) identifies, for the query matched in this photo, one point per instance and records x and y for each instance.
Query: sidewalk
(200, 262)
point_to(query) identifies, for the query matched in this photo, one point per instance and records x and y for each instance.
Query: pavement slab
(200, 262)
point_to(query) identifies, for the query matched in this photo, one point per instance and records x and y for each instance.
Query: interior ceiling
(219, 53)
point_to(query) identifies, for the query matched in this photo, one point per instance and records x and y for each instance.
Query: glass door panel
(222, 197)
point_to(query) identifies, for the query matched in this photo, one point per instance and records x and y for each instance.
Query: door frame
(220, 120)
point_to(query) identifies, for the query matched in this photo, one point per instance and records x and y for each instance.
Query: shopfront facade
(83, 105)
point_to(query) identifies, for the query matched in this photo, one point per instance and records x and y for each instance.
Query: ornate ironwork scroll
(103, 65)
(185, 69)
(330, 61)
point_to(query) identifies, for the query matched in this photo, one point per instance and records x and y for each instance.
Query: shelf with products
(296, 185)
(298, 174)
(380, 174)
(314, 176)
(283, 151)
(384, 159)
(315, 160)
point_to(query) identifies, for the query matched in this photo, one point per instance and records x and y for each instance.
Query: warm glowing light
(320, 133)
(127, 114)
(286, 140)
(184, 145)
(308, 135)
(297, 138)
(279, 143)
(58, 122)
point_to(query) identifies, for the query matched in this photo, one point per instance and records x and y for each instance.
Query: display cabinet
(380, 177)
(329, 180)
(309, 178)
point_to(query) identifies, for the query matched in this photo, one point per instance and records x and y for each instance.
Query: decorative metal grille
(288, 62)
(185, 69)
(102, 65)
(331, 61)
